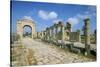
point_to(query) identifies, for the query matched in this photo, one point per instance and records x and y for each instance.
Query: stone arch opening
(27, 31)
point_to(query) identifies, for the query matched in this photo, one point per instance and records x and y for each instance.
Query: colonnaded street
(37, 52)
(45, 36)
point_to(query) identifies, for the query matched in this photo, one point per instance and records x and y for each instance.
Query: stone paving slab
(40, 53)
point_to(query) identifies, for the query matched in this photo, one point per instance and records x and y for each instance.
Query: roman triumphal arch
(25, 22)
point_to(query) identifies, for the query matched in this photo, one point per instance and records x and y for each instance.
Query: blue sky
(46, 14)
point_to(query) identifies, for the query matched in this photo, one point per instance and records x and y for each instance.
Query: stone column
(37, 34)
(87, 35)
(62, 37)
(56, 29)
(48, 34)
(41, 34)
(54, 32)
(78, 36)
(68, 25)
(44, 35)
(61, 30)
(33, 34)
(51, 32)
(68, 30)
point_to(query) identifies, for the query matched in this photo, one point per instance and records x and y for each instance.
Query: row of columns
(56, 32)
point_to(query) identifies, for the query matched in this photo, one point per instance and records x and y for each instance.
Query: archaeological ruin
(53, 45)
(24, 22)
(62, 35)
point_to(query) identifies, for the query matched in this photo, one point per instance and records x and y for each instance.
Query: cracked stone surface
(39, 53)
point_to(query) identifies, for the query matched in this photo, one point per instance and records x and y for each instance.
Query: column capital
(86, 19)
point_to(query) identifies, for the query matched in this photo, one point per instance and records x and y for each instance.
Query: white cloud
(52, 15)
(73, 20)
(27, 17)
(91, 12)
(42, 14)
(83, 16)
(47, 15)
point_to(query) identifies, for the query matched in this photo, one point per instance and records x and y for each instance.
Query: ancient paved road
(44, 53)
